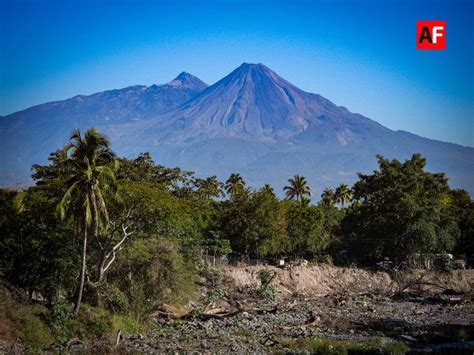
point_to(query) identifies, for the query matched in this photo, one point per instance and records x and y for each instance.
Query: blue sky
(358, 54)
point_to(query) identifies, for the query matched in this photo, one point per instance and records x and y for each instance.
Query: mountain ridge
(252, 121)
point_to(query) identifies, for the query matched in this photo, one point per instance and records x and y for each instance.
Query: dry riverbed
(319, 307)
(271, 327)
(354, 306)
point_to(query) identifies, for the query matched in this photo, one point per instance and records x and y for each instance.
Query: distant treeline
(130, 234)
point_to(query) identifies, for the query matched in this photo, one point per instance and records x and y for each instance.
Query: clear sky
(358, 54)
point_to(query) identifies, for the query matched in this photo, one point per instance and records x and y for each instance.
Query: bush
(268, 293)
(265, 276)
(62, 315)
(265, 291)
(323, 259)
(30, 322)
(444, 263)
(114, 299)
(94, 323)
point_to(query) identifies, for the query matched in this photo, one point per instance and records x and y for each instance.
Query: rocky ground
(240, 322)
(415, 321)
(319, 302)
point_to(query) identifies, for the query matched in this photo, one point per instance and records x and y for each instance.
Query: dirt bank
(324, 279)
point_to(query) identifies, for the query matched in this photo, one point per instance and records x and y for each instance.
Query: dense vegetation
(123, 236)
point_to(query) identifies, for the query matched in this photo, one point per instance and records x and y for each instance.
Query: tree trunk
(95, 214)
(83, 274)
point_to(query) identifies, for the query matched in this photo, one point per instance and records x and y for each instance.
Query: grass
(320, 346)
(29, 323)
(245, 333)
(129, 324)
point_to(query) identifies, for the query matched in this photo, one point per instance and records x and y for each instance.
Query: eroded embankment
(323, 279)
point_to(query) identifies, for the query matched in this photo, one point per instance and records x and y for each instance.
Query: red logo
(431, 34)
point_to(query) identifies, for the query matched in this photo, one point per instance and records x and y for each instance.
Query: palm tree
(327, 197)
(93, 175)
(305, 201)
(343, 194)
(297, 189)
(209, 187)
(234, 184)
(267, 189)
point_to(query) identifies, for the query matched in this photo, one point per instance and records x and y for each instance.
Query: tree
(297, 189)
(400, 211)
(327, 197)
(251, 221)
(37, 254)
(216, 245)
(268, 189)
(342, 194)
(235, 184)
(144, 169)
(461, 207)
(209, 188)
(93, 176)
(305, 201)
(305, 229)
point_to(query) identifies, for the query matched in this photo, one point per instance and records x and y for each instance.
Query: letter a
(425, 34)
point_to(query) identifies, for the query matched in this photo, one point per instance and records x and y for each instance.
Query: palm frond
(63, 204)
(102, 206)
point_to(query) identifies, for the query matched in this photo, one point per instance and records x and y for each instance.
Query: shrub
(268, 293)
(114, 299)
(62, 315)
(94, 322)
(30, 322)
(265, 291)
(265, 276)
(323, 259)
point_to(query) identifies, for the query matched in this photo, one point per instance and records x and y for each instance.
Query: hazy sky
(358, 54)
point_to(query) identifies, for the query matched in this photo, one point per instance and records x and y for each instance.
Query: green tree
(327, 197)
(400, 211)
(267, 189)
(297, 189)
(461, 207)
(144, 169)
(209, 188)
(251, 221)
(342, 194)
(93, 176)
(235, 184)
(37, 254)
(305, 229)
(216, 245)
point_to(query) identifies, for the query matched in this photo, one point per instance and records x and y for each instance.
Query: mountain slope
(44, 128)
(251, 103)
(257, 123)
(251, 121)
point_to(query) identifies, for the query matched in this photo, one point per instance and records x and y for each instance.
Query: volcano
(252, 121)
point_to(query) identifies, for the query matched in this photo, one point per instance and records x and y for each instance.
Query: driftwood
(72, 341)
(401, 279)
(118, 337)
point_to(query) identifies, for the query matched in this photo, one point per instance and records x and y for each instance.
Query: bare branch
(109, 257)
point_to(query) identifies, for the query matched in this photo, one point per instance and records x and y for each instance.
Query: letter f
(437, 34)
